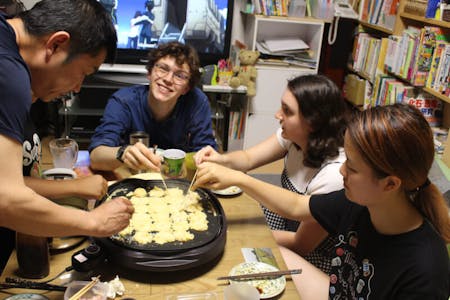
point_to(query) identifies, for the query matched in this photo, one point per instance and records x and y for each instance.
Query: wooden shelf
(425, 20)
(376, 27)
(436, 94)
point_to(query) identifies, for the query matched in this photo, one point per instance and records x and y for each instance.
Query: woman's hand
(140, 157)
(208, 154)
(214, 176)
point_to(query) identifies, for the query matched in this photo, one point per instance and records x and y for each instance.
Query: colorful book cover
(432, 7)
(442, 72)
(430, 106)
(382, 56)
(424, 56)
(440, 47)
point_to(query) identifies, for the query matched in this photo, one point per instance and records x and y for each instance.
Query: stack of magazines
(286, 51)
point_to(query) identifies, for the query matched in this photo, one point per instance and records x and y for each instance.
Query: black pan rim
(218, 220)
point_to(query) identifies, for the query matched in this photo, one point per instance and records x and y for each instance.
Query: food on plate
(163, 216)
(231, 190)
(268, 288)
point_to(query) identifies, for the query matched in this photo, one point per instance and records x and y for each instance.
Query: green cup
(173, 160)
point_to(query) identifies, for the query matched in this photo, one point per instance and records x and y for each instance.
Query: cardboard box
(354, 89)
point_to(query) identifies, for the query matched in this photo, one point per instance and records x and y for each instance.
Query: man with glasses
(171, 109)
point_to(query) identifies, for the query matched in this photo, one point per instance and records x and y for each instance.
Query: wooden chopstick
(263, 275)
(193, 180)
(85, 289)
(155, 147)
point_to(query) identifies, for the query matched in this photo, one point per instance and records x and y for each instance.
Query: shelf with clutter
(407, 61)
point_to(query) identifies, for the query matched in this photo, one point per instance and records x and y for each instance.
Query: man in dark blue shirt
(174, 113)
(43, 55)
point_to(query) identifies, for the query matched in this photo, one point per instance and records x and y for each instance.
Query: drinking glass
(139, 136)
(64, 152)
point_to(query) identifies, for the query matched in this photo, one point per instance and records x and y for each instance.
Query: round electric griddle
(206, 245)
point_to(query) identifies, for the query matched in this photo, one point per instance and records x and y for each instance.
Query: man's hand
(140, 157)
(90, 187)
(111, 217)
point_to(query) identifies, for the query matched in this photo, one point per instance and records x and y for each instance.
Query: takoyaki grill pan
(206, 245)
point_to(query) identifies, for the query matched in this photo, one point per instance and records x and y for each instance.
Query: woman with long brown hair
(391, 221)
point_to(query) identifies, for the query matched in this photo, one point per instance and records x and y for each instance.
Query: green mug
(173, 160)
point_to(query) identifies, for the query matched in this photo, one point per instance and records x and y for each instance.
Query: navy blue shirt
(15, 97)
(370, 265)
(188, 128)
(15, 85)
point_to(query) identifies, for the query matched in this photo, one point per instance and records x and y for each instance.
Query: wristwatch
(120, 152)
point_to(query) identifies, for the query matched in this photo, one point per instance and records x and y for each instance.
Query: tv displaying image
(144, 24)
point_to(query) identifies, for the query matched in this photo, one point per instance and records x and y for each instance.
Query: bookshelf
(408, 66)
(272, 78)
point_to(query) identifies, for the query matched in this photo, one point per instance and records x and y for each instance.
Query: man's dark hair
(182, 54)
(90, 27)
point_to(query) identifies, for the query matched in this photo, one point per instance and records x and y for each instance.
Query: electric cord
(25, 281)
(68, 269)
(332, 33)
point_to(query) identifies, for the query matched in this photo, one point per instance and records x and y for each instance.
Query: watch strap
(120, 152)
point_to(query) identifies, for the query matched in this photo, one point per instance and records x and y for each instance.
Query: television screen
(143, 24)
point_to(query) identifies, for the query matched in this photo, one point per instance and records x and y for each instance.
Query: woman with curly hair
(310, 139)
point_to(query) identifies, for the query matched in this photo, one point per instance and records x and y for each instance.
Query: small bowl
(97, 292)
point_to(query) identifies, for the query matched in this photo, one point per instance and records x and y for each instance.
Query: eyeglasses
(179, 77)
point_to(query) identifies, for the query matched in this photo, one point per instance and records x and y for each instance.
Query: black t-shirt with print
(369, 265)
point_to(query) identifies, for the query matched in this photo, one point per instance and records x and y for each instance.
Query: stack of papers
(284, 45)
(291, 51)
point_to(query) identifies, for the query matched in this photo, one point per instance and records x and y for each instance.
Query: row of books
(237, 123)
(270, 7)
(419, 56)
(378, 12)
(366, 53)
(389, 90)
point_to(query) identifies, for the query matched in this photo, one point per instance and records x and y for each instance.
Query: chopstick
(193, 180)
(155, 147)
(261, 275)
(85, 289)
(32, 285)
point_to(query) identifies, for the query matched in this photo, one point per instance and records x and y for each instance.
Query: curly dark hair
(323, 107)
(182, 54)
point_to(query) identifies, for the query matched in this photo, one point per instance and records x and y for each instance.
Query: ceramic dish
(229, 191)
(267, 288)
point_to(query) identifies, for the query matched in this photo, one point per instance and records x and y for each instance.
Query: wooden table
(246, 228)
